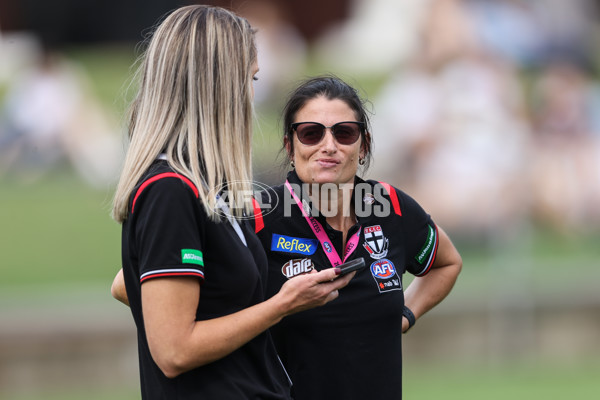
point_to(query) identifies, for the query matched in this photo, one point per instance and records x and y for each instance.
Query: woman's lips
(327, 163)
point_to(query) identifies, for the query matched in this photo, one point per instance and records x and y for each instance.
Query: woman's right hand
(178, 342)
(311, 290)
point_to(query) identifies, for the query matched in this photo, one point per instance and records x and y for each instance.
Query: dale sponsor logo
(297, 267)
(191, 256)
(290, 244)
(385, 276)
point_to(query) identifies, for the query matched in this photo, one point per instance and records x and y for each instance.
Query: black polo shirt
(351, 347)
(168, 233)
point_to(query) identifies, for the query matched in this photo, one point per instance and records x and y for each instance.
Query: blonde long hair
(194, 103)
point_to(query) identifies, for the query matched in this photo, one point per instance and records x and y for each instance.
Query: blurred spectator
(566, 167)
(282, 50)
(509, 29)
(48, 115)
(18, 50)
(450, 128)
(568, 28)
(378, 35)
(530, 32)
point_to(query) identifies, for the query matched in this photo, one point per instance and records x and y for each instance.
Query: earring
(361, 161)
(292, 164)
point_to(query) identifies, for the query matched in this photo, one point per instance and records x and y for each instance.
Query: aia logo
(297, 267)
(383, 269)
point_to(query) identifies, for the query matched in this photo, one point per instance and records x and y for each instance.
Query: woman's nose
(329, 142)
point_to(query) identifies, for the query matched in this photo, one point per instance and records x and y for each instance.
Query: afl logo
(383, 269)
(327, 247)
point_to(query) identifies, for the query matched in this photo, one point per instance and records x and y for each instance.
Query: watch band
(406, 312)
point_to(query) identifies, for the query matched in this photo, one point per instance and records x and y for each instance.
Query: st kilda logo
(297, 267)
(375, 243)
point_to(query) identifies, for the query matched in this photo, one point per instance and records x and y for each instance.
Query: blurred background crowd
(486, 111)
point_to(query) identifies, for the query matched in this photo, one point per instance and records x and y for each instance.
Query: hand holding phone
(353, 265)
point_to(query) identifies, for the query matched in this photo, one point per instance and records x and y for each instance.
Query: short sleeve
(421, 236)
(169, 230)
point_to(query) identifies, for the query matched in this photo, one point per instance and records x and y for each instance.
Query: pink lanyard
(317, 228)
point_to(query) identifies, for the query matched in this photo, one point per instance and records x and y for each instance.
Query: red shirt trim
(160, 176)
(259, 224)
(393, 197)
(171, 274)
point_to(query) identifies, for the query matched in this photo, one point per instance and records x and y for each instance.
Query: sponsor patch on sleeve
(191, 256)
(425, 252)
(290, 244)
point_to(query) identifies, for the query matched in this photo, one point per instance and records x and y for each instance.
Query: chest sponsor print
(385, 275)
(290, 244)
(297, 267)
(375, 243)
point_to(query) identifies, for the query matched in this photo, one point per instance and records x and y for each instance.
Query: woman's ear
(288, 147)
(365, 145)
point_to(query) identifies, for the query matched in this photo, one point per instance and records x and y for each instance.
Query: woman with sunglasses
(195, 281)
(325, 215)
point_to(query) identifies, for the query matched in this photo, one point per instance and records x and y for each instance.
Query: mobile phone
(350, 266)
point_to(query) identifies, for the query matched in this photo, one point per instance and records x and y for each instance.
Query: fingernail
(338, 271)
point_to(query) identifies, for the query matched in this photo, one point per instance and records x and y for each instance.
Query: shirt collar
(293, 178)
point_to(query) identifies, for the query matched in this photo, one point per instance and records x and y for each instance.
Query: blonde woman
(195, 280)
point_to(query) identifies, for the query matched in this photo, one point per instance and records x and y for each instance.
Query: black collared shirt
(168, 233)
(351, 347)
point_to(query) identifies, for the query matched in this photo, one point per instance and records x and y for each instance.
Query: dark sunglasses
(311, 133)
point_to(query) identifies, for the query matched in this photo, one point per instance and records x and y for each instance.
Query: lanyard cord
(317, 228)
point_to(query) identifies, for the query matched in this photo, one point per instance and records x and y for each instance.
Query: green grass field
(501, 383)
(432, 383)
(56, 231)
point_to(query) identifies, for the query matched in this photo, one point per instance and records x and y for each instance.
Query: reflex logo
(297, 267)
(290, 244)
